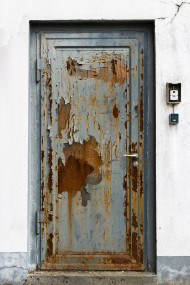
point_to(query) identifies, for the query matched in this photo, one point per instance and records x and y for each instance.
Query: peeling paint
(113, 71)
(63, 116)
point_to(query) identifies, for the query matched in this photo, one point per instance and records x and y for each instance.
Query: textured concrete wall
(13, 267)
(173, 270)
(172, 35)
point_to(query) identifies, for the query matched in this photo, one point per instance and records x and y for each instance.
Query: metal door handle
(132, 155)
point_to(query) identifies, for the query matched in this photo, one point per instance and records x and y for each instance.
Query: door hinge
(38, 222)
(40, 65)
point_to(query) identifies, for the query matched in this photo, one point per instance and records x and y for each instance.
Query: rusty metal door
(92, 197)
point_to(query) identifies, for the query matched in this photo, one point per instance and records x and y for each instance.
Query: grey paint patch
(85, 197)
(13, 267)
(173, 270)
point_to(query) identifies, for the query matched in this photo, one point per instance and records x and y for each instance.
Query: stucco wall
(172, 35)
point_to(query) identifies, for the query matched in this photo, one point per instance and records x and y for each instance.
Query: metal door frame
(34, 147)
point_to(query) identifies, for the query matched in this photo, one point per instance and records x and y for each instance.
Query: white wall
(173, 143)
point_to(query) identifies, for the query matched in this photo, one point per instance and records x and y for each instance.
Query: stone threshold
(91, 277)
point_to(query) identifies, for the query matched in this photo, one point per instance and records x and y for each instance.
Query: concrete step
(91, 278)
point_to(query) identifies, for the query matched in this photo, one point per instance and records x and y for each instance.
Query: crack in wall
(161, 18)
(178, 9)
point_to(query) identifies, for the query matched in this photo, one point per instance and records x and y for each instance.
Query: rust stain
(63, 116)
(134, 245)
(49, 84)
(141, 110)
(43, 197)
(115, 111)
(134, 178)
(125, 195)
(142, 55)
(142, 228)
(82, 163)
(142, 92)
(133, 147)
(71, 66)
(50, 217)
(50, 245)
(141, 184)
(42, 155)
(112, 72)
(134, 220)
(118, 260)
(107, 174)
(134, 169)
(50, 176)
(42, 186)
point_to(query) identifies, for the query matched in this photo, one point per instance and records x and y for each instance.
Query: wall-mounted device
(173, 93)
(174, 119)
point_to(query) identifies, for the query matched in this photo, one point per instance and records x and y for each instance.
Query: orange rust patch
(63, 116)
(72, 176)
(114, 71)
(50, 176)
(80, 161)
(115, 111)
(50, 245)
(118, 260)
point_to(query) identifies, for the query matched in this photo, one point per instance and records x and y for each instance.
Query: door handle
(131, 155)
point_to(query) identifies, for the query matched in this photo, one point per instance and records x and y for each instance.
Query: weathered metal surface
(92, 114)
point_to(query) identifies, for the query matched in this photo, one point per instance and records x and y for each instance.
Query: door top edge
(91, 25)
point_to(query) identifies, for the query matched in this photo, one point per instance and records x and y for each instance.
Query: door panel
(92, 202)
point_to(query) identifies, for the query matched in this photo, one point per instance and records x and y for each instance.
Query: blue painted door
(92, 201)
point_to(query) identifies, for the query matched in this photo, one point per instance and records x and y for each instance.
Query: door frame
(34, 147)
